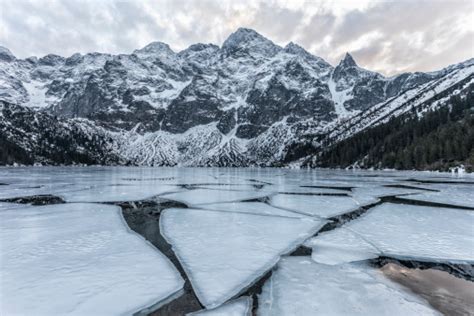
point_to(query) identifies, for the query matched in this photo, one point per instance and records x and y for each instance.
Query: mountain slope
(29, 137)
(439, 140)
(248, 102)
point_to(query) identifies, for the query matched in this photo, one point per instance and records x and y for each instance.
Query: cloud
(408, 34)
(387, 36)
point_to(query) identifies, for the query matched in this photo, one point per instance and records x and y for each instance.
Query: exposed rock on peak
(200, 55)
(250, 41)
(347, 61)
(155, 48)
(200, 47)
(51, 60)
(295, 49)
(5, 54)
(74, 59)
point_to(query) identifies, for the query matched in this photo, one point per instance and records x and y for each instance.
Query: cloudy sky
(387, 36)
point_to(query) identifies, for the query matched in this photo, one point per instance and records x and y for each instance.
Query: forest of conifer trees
(438, 140)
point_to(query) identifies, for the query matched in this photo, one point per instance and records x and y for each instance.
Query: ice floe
(452, 194)
(78, 259)
(372, 194)
(407, 232)
(340, 246)
(234, 187)
(207, 196)
(8, 206)
(117, 193)
(238, 307)
(315, 205)
(225, 252)
(258, 208)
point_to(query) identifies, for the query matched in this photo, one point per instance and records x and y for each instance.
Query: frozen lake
(221, 241)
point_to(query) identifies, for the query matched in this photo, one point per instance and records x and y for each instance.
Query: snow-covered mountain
(249, 102)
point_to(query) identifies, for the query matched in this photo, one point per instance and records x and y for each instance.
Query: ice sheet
(302, 287)
(315, 205)
(340, 246)
(207, 196)
(452, 194)
(25, 189)
(7, 206)
(418, 232)
(239, 307)
(252, 208)
(372, 194)
(288, 188)
(224, 252)
(78, 259)
(118, 193)
(234, 187)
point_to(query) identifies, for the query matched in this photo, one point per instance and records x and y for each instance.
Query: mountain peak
(200, 46)
(6, 54)
(295, 49)
(155, 48)
(348, 61)
(250, 39)
(245, 33)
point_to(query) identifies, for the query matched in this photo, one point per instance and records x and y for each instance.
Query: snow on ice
(78, 259)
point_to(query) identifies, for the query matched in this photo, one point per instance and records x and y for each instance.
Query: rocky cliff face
(251, 99)
(28, 137)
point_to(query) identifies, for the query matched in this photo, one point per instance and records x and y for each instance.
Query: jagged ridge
(249, 102)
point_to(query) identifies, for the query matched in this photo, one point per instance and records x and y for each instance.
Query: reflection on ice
(78, 259)
(300, 286)
(225, 252)
(449, 294)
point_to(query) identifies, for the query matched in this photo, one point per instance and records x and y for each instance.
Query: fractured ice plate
(340, 246)
(238, 307)
(8, 206)
(206, 196)
(258, 208)
(25, 189)
(285, 188)
(225, 252)
(452, 194)
(78, 259)
(372, 194)
(315, 205)
(117, 193)
(233, 187)
(302, 287)
(418, 232)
